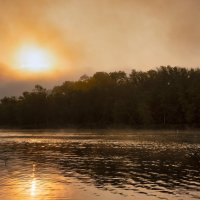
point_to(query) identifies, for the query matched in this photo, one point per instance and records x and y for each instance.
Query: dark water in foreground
(100, 166)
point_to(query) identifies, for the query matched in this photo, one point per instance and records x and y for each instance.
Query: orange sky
(91, 35)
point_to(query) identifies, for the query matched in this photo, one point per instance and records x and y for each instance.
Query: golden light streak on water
(33, 187)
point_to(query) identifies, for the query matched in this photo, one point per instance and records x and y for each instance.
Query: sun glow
(34, 59)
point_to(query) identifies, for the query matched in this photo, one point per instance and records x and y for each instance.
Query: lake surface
(102, 165)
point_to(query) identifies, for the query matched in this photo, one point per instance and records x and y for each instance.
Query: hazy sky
(97, 35)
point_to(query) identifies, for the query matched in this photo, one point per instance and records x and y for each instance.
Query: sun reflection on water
(33, 182)
(33, 187)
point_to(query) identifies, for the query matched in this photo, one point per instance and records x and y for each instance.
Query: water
(99, 165)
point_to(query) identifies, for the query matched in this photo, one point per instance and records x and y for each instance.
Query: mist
(90, 36)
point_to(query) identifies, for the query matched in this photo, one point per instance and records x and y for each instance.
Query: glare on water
(33, 182)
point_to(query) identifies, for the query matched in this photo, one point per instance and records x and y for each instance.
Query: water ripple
(92, 165)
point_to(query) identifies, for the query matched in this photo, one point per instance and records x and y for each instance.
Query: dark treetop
(165, 97)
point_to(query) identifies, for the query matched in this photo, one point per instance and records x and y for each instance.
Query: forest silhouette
(164, 97)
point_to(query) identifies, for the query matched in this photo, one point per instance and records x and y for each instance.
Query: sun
(32, 58)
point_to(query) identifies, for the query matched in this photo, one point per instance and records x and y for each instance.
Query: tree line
(164, 97)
